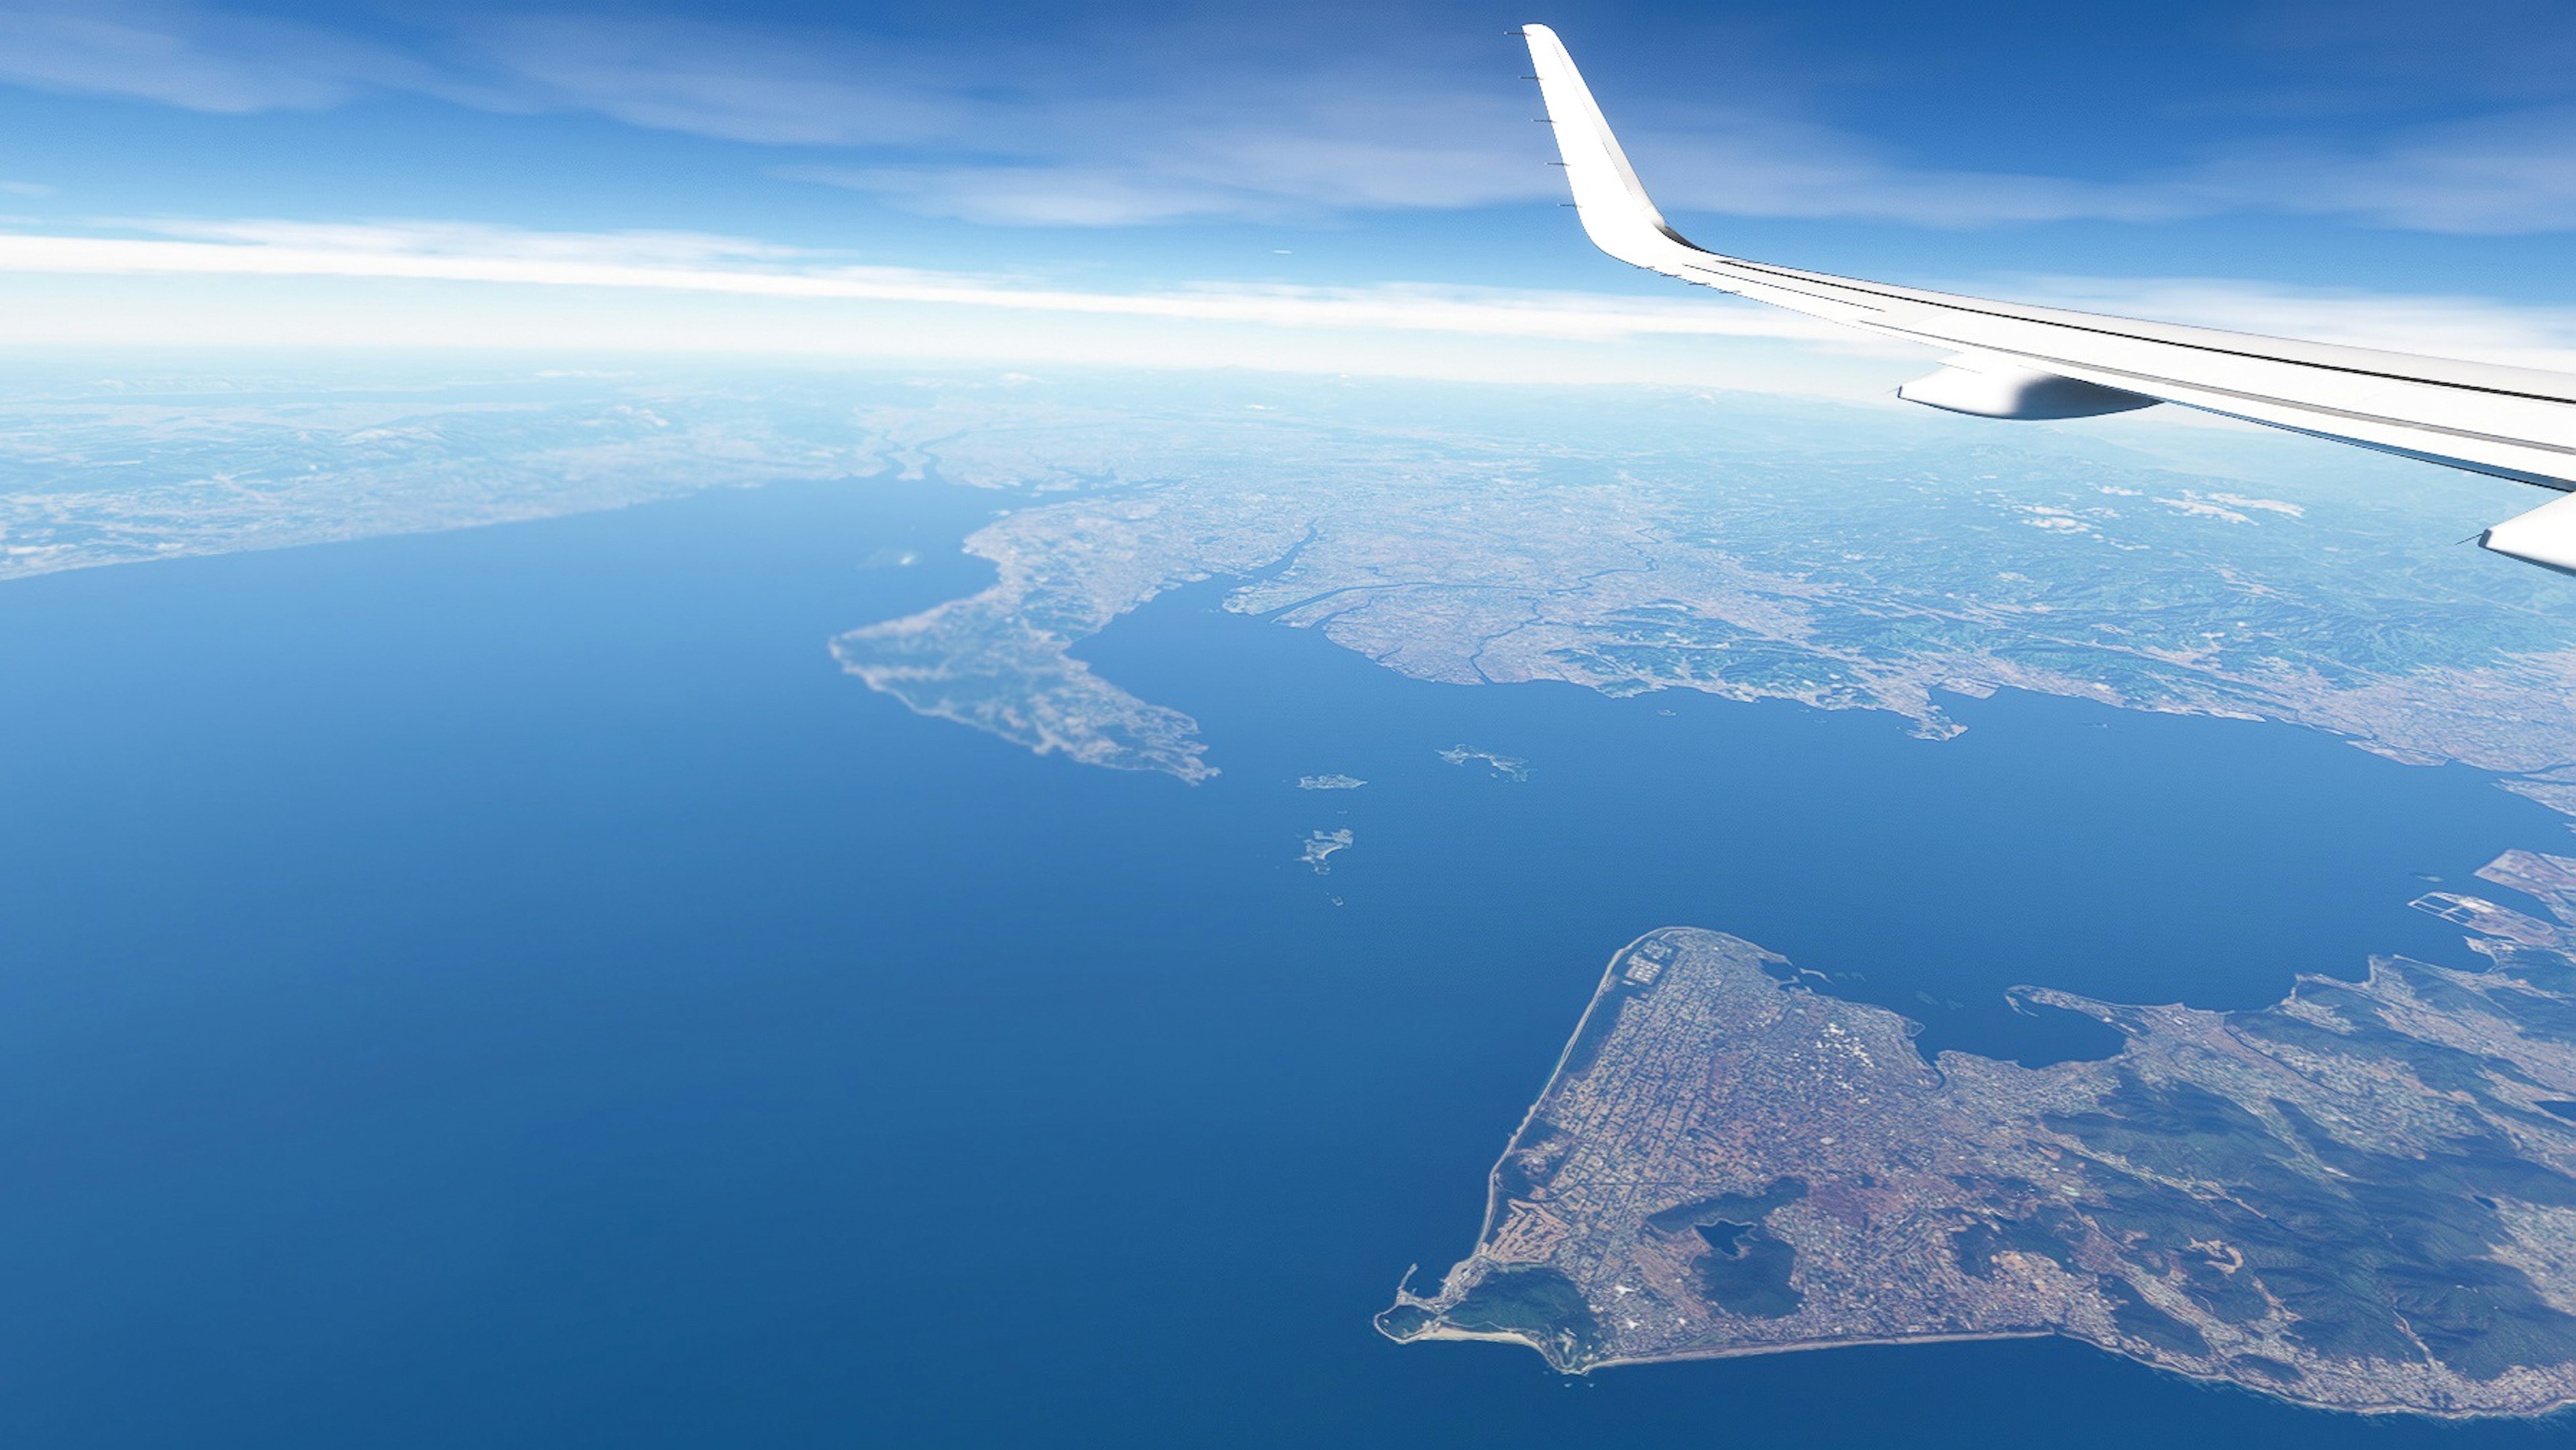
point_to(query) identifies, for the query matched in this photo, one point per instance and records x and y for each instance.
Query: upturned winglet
(1616, 212)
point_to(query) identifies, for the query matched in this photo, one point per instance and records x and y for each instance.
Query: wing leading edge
(2014, 361)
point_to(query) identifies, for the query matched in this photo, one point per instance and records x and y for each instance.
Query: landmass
(1625, 540)
(1751, 548)
(1320, 846)
(1335, 781)
(1506, 767)
(2361, 1198)
(168, 464)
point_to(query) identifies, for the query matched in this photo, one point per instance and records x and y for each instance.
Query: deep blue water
(506, 988)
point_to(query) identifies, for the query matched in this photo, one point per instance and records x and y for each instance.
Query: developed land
(1623, 540)
(1755, 549)
(2361, 1198)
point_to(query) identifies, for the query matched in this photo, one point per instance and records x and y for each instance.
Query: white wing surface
(2040, 362)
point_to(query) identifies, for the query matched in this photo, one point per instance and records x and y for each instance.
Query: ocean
(507, 988)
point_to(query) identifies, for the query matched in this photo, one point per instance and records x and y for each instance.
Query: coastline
(2361, 1391)
(1565, 1054)
(1753, 1351)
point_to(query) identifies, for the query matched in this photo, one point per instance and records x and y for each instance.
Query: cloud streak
(2474, 328)
(730, 83)
(2512, 172)
(687, 262)
(1109, 121)
(203, 58)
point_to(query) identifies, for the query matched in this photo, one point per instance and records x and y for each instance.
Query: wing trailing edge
(2015, 361)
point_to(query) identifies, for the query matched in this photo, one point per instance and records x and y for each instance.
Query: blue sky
(2399, 172)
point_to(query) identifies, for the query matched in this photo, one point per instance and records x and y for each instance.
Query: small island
(1504, 767)
(1320, 846)
(1335, 781)
(2361, 1198)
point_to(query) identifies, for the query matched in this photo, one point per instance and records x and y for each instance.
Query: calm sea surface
(506, 988)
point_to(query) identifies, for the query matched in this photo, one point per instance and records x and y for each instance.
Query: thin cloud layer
(726, 82)
(2475, 328)
(684, 262)
(688, 262)
(2509, 173)
(1109, 121)
(207, 58)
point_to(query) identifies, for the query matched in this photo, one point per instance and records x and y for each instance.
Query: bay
(506, 987)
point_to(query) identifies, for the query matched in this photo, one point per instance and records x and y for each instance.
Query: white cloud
(2508, 172)
(1114, 132)
(1069, 196)
(2476, 328)
(1342, 134)
(733, 83)
(196, 57)
(453, 284)
(476, 240)
(1216, 142)
(1094, 125)
(1749, 163)
(690, 262)
(685, 262)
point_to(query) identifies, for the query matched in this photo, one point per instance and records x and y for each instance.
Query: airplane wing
(2041, 362)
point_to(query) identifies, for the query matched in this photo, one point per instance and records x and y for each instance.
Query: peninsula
(2361, 1198)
